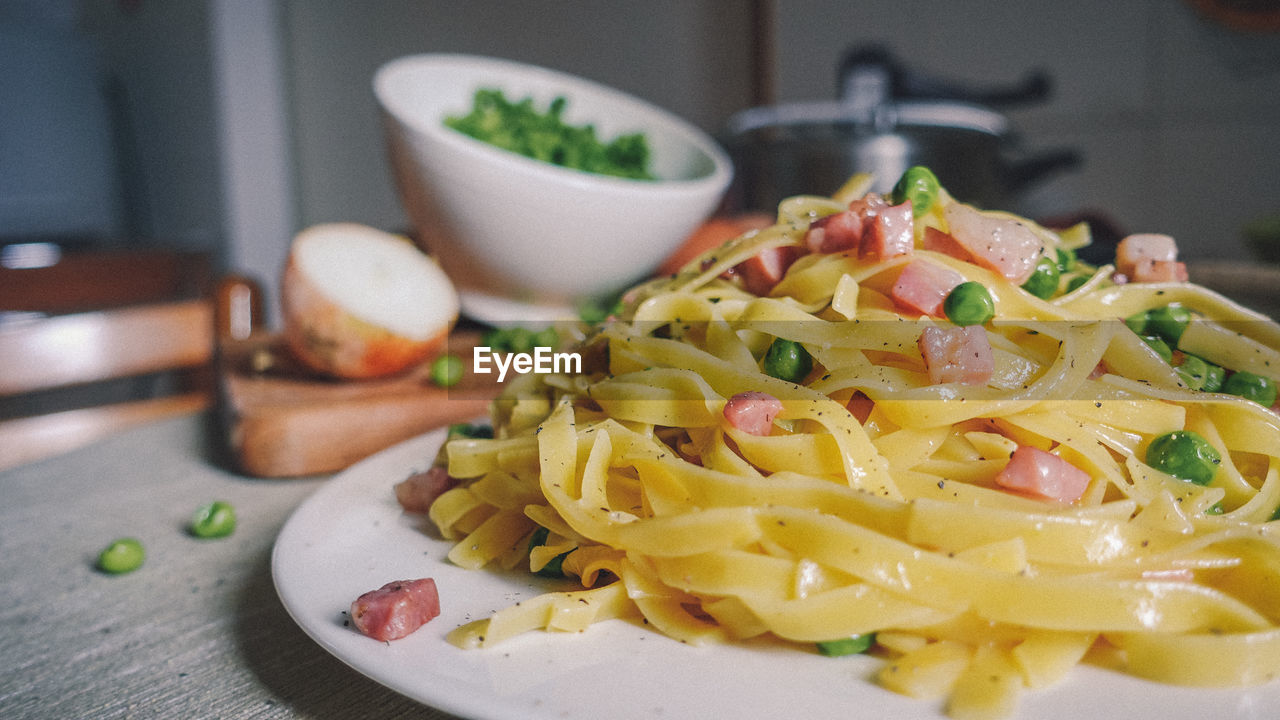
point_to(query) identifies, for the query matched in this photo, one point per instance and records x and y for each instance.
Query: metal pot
(886, 121)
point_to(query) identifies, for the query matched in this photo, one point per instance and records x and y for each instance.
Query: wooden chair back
(69, 379)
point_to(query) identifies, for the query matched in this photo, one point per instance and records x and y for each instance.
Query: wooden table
(197, 632)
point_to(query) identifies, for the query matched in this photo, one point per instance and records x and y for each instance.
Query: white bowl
(511, 230)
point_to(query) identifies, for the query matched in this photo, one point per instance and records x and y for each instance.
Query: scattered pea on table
(123, 555)
(446, 370)
(214, 520)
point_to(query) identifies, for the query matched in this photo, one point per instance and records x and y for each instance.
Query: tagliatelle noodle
(832, 526)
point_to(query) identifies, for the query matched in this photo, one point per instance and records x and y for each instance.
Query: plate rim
(1136, 697)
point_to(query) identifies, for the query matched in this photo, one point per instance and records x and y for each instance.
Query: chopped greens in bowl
(544, 135)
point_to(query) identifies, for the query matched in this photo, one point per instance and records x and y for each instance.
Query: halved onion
(359, 302)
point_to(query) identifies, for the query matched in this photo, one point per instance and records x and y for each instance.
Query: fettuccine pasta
(881, 497)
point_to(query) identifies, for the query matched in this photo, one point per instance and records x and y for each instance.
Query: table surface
(198, 631)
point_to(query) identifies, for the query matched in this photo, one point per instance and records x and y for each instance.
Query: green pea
(1257, 388)
(516, 339)
(1169, 322)
(1194, 371)
(1160, 346)
(1214, 509)
(123, 555)
(1076, 282)
(215, 520)
(447, 370)
(919, 185)
(1066, 260)
(969, 303)
(596, 310)
(467, 430)
(497, 339)
(847, 646)
(1215, 376)
(1200, 374)
(1138, 321)
(1186, 455)
(547, 337)
(787, 360)
(520, 340)
(1043, 282)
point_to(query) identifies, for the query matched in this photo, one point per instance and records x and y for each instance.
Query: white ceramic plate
(351, 537)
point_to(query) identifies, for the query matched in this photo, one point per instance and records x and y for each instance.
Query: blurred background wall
(229, 124)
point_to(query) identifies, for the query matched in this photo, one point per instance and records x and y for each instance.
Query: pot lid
(878, 95)
(880, 118)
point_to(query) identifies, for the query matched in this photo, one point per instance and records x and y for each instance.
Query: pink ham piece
(752, 412)
(396, 609)
(835, 233)
(888, 233)
(923, 286)
(1042, 475)
(416, 492)
(762, 271)
(957, 355)
(860, 406)
(1002, 245)
(871, 227)
(1149, 257)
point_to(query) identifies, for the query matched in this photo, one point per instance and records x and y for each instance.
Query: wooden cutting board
(280, 421)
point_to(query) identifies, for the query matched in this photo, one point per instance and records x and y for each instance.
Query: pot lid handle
(871, 74)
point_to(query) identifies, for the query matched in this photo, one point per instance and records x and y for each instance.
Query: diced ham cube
(1043, 475)
(835, 233)
(1002, 245)
(871, 227)
(416, 492)
(888, 233)
(922, 286)
(957, 354)
(1160, 271)
(752, 412)
(762, 271)
(1144, 246)
(1149, 257)
(860, 406)
(396, 609)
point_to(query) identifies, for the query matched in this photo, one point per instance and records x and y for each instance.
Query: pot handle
(875, 62)
(1033, 169)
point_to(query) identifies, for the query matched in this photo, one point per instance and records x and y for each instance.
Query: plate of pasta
(896, 455)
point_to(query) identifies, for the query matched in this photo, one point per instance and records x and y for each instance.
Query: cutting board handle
(238, 308)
